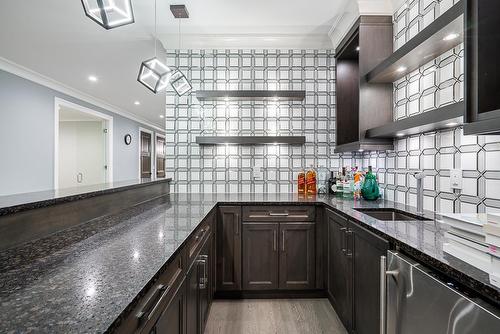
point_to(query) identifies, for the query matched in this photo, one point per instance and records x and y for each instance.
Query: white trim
(58, 103)
(155, 159)
(153, 150)
(26, 73)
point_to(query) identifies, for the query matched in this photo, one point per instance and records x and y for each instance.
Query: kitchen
(327, 167)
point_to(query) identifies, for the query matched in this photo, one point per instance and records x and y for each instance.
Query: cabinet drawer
(195, 242)
(145, 313)
(279, 213)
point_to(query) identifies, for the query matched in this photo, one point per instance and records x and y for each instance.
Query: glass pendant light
(153, 73)
(109, 13)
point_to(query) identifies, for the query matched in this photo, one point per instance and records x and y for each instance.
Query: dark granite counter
(82, 279)
(20, 202)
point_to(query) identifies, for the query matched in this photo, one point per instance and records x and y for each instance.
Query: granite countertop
(27, 201)
(82, 279)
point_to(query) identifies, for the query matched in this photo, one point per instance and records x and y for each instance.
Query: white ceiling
(55, 39)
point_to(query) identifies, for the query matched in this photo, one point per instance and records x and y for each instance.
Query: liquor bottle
(332, 184)
(301, 182)
(311, 181)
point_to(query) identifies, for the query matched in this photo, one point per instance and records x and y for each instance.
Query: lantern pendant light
(109, 13)
(153, 74)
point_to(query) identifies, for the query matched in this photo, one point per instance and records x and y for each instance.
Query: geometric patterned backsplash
(222, 168)
(435, 84)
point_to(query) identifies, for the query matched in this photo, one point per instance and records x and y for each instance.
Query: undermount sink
(390, 214)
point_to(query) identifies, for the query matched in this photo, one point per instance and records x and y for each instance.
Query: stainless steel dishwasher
(413, 301)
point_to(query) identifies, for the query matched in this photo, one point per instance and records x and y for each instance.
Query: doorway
(83, 146)
(145, 154)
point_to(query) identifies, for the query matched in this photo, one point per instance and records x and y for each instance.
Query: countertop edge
(76, 197)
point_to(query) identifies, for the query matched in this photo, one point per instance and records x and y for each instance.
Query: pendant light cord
(155, 30)
(179, 34)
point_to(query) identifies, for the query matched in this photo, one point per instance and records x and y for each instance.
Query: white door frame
(152, 169)
(159, 135)
(58, 103)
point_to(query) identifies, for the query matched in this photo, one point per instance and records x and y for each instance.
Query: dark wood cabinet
(366, 248)
(297, 267)
(482, 45)
(260, 256)
(229, 248)
(354, 273)
(339, 268)
(173, 320)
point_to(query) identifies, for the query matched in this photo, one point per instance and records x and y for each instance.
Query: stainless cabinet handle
(278, 214)
(383, 286)
(148, 309)
(275, 241)
(283, 239)
(343, 246)
(348, 235)
(204, 280)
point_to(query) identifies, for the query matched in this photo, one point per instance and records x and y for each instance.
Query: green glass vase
(370, 189)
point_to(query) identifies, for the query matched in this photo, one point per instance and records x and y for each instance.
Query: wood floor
(273, 316)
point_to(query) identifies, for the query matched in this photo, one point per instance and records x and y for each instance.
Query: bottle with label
(301, 182)
(311, 181)
(332, 184)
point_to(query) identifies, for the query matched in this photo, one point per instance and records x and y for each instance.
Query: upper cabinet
(482, 69)
(361, 105)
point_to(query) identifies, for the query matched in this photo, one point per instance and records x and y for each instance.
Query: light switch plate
(456, 179)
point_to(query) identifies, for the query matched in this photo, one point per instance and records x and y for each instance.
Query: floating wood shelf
(250, 140)
(424, 47)
(448, 116)
(250, 95)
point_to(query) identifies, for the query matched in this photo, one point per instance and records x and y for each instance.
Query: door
(260, 256)
(229, 248)
(339, 268)
(160, 156)
(82, 152)
(173, 319)
(367, 248)
(145, 155)
(297, 265)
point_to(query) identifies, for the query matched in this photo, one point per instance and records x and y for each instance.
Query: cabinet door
(339, 268)
(192, 299)
(173, 320)
(297, 256)
(367, 249)
(260, 256)
(229, 248)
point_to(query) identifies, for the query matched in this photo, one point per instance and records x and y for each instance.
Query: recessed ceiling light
(161, 116)
(451, 36)
(93, 78)
(400, 134)
(452, 124)
(137, 103)
(401, 69)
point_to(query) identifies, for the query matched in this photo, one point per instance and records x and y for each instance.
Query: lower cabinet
(279, 256)
(173, 320)
(354, 273)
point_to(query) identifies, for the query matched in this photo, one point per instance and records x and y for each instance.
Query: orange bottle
(302, 182)
(311, 181)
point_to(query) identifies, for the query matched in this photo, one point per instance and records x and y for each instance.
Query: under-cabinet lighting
(401, 69)
(361, 150)
(452, 124)
(400, 134)
(451, 36)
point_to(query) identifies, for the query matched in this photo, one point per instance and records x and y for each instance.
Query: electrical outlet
(257, 173)
(456, 179)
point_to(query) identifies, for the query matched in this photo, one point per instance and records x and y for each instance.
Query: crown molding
(26, 73)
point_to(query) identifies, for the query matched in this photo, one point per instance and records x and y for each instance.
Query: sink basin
(390, 214)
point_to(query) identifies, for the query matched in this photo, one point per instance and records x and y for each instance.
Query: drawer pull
(152, 303)
(278, 214)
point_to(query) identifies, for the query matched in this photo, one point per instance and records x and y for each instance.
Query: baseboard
(270, 294)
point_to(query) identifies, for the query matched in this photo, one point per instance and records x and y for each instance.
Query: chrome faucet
(419, 176)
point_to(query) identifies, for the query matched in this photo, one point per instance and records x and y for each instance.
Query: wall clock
(128, 139)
